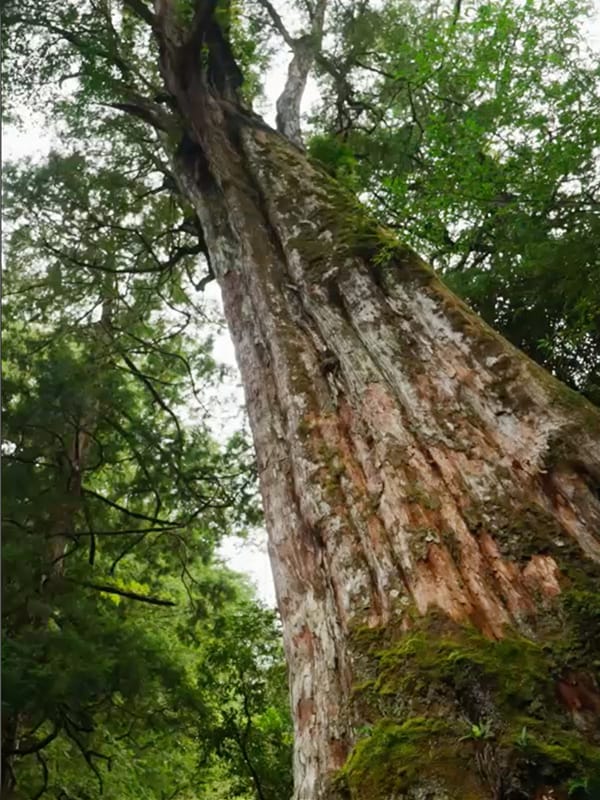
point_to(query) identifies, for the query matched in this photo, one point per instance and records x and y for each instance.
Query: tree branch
(35, 747)
(45, 775)
(124, 532)
(142, 598)
(123, 510)
(140, 10)
(278, 23)
(305, 50)
(144, 112)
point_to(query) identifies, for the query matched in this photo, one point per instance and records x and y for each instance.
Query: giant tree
(430, 493)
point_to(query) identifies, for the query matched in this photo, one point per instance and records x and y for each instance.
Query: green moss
(420, 539)
(527, 530)
(421, 686)
(562, 447)
(464, 659)
(582, 609)
(304, 428)
(347, 231)
(415, 493)
(395, 756)
(367, 640)
(555, 756)
(335, 469)
(392, 262)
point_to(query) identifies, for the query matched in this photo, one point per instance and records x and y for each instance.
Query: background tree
(114, 503)
(430, 493)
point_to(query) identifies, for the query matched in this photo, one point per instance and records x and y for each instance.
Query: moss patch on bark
(443, 705)
(394, 757)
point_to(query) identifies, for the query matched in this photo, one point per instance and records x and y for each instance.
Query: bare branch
(305, 50)
(278, 23)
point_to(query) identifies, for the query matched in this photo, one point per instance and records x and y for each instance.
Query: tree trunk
(430, 494)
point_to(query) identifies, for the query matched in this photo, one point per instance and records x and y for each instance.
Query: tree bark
(424, 483)
(304, 51)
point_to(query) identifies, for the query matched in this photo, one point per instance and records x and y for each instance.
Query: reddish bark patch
(507, 577)
(305, 711)
(549, 793)
(338, 753)
(542, 573)
(579, 692)
(303, 642)
(438, 584)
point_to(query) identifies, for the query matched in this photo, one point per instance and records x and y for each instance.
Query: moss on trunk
(471, 717)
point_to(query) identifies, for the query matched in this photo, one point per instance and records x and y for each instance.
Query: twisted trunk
(430, 494)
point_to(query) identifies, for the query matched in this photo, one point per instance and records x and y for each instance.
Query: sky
(35, 141)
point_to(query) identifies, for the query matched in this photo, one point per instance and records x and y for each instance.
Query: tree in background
(431, 494)
(114, 606)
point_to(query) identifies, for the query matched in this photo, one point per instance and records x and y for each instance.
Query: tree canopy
(472, 129)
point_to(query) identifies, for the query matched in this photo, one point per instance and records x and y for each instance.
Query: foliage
(478, 732)
(134, 663)
(473, 129)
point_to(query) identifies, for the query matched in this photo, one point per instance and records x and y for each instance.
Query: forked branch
(305, 50)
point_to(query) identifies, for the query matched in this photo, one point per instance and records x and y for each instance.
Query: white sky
(36, 141)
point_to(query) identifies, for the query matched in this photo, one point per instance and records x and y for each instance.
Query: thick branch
(305, 50)
(140, 10)
(146, 111)
(278, 23)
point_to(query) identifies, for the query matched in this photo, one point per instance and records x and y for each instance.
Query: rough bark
(413, 466)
